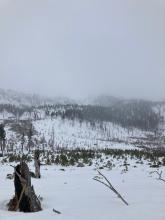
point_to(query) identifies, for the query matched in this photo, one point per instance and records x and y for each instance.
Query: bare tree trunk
(1, 147)
(2, 143)
(37, 164)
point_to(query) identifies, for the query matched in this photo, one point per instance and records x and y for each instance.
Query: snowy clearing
(76, 195)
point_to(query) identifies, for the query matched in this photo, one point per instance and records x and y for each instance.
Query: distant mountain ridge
(22, 99)
(137, 113)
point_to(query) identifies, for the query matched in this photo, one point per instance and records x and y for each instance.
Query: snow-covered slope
(76, 195)
(73, 134)
(82, 126)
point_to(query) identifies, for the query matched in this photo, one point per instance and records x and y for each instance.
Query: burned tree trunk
(25, 198)
(1, 148)
(37, 163)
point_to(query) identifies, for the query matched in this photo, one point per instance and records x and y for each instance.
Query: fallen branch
(56, 211)
(159, 175)
(109, 185)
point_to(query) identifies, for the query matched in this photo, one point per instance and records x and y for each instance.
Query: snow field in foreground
(76, 195)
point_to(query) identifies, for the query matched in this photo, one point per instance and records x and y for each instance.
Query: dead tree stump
(25, 198)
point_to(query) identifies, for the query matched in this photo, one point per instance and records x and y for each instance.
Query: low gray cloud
(83, 48)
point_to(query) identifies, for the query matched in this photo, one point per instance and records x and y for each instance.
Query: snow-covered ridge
(22, 99)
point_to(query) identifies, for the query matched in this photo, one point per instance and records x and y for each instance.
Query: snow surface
(73, 134)
(76, 195)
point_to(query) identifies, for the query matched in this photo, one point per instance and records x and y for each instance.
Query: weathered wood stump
(25, 198)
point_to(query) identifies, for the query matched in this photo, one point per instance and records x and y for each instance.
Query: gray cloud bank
(83, 48)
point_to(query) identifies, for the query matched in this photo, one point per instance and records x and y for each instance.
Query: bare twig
(159, 175)
(56, 211)
(109, 185)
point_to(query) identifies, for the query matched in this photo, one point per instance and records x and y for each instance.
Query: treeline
(15, 110)
(139, 114)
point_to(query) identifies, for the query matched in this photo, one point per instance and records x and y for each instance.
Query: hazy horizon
(81, 49)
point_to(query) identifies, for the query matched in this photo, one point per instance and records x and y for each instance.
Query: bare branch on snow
(159, 175)
(108, 184)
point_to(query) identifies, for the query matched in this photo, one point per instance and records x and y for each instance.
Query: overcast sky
(81, 48)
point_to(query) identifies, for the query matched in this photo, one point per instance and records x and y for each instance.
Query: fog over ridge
(83, 48)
